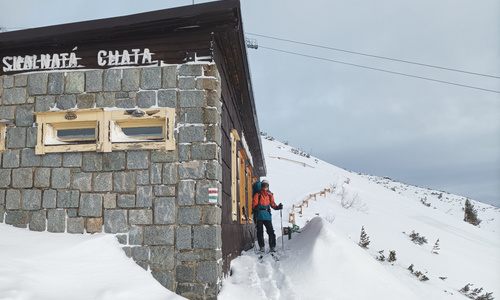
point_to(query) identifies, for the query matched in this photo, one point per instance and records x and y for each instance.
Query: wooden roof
(173, 35)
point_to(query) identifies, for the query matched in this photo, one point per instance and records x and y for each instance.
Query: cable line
(380, 70)
(375, 56)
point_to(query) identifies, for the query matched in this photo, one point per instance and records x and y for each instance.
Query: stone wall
(156, 202)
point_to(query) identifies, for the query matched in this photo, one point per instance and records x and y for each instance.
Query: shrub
(364, 239)
(417, 238)
(470, 214)
(474, 293)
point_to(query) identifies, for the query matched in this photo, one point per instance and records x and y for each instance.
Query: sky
(414, 130)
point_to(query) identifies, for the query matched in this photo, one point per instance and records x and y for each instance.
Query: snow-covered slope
(324, 260)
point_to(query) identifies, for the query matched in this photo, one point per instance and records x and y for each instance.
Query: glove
(280, 206)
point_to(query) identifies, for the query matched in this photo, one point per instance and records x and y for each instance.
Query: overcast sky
(417, 131)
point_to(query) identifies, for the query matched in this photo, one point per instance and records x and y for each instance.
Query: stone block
(2, 193)
(162, 258)
(144, 196)
(61, 178)
(206, 83)
(114, 161)
(214, 99)
(84, 101)
(13, 200)
(126, 200)
(184, 273)
(146, 99)
(37, 83)
(72, 212)
(186, 83)
(191, 98)
(214, 170)
(56, 220)
(11, 159)
(31, 199)
(190, 70)
(126, 103)
(91, 205)
(92, 162)
(76, 225)
(14, 96)
(122, 239)
(204, 152)
(52, 160)
(167, 98)
(49, 199)
(112, 80)
(208, 272)
(170, 174)
(65, 102)
(211, 116)
(109, 201)
(115, 221)
(124, 182)
(202, 191)
(140, 217)
(164, 210)
(93, 81)
(38, 220)
(151, 78)
(67, 199)
(5, 178)
(212, 255)
(22, 178)
(192, 170)
(29, 158)
(93, 225)
(75, 82)
(137, 160)
(192, 115)
(189, 216)
(191, 134)
(16, 217)
(140, 253)
(159, 235)
(207, 237)
(165, 278)
(15, 137)
(82, 182)
(103, 182)
(169, 77)
(130, 80)
(142, 177)
(165, 191)
(7, 112)
(183, 240)
(155, 175)
(8, 82)
(56, 83)
(72, 159)
(191, 290)
(20, 80)
(24, 115)
(188, 256)
(105, 100)
(31, 135)
(136, 235)
(211, 215)
(44, 103)
(187, 192)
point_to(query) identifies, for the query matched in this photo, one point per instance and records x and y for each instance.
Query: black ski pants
(270, 233)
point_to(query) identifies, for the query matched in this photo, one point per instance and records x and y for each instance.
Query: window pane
(76, 134)
(152, 132)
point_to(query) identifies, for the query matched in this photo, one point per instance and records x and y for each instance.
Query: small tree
(470, 213)
(381, 257)
(392, 256)
(364, 239)
(436, 248)
(417, 238)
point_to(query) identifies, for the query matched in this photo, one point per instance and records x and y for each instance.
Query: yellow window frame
(250, 193)
(242, 180)
(106, 124)
(234, 172)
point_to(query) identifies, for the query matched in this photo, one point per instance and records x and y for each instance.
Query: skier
(262, 203)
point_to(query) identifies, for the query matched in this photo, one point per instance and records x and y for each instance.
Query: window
(3, 131)
(234, 187)
(250, 192)
(105, 130)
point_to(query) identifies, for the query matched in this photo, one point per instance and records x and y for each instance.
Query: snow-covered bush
(474, 293)
(364, 239)
(417, 238)
(470, 214)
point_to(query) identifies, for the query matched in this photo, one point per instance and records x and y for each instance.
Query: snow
(322, 261)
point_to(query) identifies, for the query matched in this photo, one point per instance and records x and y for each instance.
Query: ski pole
(281, 217)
